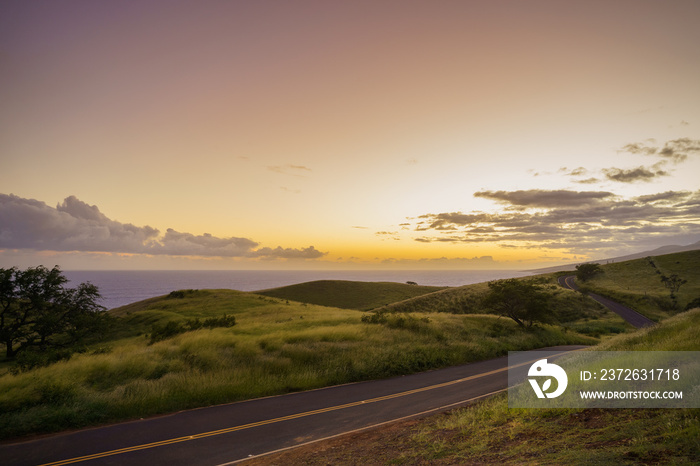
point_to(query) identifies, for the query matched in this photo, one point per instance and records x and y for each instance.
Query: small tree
(673, 283)
(585, 272)
(522, 301)
(37, 311)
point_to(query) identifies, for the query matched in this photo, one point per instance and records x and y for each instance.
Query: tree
(673, 283)
(522, 301)
(585, 272)
(38, 312)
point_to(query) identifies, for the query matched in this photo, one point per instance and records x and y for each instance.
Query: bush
(180, 294)
(34, 357)
(172, 328)
(374, 318)
(585, 272)
(693, 304)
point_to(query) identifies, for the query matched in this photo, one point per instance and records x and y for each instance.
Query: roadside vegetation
(488, 432)
(574, 436)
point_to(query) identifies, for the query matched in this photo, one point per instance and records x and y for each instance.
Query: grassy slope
(491, 433)
(274, 348)
(637, 283)
(362, 296)
(573, 311)
(634, 283)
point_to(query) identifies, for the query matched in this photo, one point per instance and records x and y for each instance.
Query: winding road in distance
(633, 317)
(234, 432)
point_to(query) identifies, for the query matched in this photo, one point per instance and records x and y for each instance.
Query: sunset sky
(356, 134)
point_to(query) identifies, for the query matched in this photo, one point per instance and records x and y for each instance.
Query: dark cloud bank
(76, 226)
(575, 220)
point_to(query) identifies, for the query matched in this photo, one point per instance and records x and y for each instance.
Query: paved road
(630, 315)
(233, 432)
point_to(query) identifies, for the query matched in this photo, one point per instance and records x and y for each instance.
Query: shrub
(374, 318)
(585, 272)
(172, 328)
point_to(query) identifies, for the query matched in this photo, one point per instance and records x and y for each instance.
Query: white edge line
(361, 429)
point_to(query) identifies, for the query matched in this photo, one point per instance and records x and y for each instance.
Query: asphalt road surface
(630, 315)
(234, 432)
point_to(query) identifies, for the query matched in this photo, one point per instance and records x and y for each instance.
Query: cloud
(580, 171)
(483, 261)
(676, 150)
(545, 198)
(679, 149)
(635, 174)
(640, 148)
(72, 225)
(294, 170)
(666, 197)
(288, 253)
(388, 235)
(591, 180)
(578, 221)
(76, 226)
(175, 243)
(449, 221)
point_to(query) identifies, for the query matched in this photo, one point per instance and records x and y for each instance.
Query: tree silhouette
(38, 312)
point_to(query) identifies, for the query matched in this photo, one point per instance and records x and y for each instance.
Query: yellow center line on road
(283, 418)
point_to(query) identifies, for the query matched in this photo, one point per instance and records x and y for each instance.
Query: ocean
(120, 287)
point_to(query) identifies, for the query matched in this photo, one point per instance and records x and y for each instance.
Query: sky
(206, 134)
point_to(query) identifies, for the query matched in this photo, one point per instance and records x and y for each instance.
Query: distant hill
(671, 249)
(362, 296)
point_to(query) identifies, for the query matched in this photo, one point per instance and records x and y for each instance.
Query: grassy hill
(275, 347)
(489, 432)
(362, 296)
(637, 283)
(572, 310)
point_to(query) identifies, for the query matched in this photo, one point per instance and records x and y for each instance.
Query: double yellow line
(213, 433)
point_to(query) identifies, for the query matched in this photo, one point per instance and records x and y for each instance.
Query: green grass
(638, 284)
(573, 311)
(490, 432)
(362, 296)
(275, 347)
